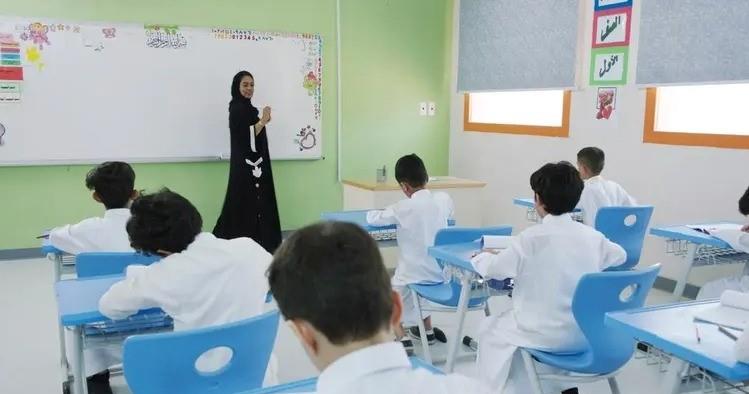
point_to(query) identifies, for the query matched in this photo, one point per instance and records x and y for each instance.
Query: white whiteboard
(104, 91)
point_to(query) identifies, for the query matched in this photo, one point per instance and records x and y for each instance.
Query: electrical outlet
(422, 109)
(432, 108)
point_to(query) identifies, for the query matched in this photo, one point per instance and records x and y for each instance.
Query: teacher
(250, 207)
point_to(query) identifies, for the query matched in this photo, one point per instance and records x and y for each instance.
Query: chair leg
(530, 368)
(487, 310)
(614, 385)
(422, 329)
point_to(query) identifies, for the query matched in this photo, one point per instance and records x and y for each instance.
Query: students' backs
(599, 193)
(385, 368)
(97, 234)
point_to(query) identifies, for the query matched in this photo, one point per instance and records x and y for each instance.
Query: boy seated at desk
(598, 192)
(113, 185)
(418, 218)
(334, 292)
(547, 261)
(739, 240)
(201, 281)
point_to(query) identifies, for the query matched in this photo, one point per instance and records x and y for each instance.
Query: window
(545, 113)
(705, 115)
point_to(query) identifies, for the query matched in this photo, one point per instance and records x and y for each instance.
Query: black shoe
(99, 383)
(570, 391)
(408, 345)
(440, 335)
(432, 338)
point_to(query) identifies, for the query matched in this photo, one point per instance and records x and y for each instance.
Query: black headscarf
(237, 100)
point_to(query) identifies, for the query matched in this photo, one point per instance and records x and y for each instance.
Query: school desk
(696, 249)
(78, 308)
(671, 328)
(531, 214)
(458, 256)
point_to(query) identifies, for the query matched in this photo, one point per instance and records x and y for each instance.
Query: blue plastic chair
(165, 363)
(613, 222)
(597, 294)
(447, 294)
(100, 264)
(309, 385)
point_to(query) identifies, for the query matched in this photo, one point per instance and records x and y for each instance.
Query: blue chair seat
(574, 362)
(446, 294)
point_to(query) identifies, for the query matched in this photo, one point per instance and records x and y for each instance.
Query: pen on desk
(697, 333)
(727, 333)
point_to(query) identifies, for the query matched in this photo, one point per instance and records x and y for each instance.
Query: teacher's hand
(266, 115)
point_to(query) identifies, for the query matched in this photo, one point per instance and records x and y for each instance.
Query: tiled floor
(29, 342)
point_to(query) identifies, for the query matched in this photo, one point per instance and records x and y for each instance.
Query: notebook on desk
(495, 243)
(731, 312)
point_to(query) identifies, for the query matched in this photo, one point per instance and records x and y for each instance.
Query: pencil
(697, 333)
(727, 333)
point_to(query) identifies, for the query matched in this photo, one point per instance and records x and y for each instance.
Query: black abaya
(250, 207)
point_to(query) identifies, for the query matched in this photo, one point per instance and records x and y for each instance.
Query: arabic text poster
(612, 27)
(608, 66)
(608, 4)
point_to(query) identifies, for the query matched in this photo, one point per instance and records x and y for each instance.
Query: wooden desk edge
(434, 185)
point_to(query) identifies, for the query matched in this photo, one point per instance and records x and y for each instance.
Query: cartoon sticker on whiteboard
(109, 32)
(2, 134)
(34, 56)
(306, 138)
(311, 82)
(38, 34)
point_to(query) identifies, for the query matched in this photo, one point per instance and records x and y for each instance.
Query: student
(113, 186)
(547, 261)
(418, 218)
(201, 281)
(739, 240)
(334, 292)
(598, 192)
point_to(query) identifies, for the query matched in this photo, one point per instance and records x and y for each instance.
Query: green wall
(394, 55)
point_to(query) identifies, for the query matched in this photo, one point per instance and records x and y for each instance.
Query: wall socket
(431, 108)
(423, 108)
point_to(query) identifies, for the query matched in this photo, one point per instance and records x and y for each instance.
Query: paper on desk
(733, 311)
(714, 228)
(495, 241)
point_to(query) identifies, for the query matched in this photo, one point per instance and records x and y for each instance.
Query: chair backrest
(626, 226)
(165, 363)
(99, 264)
(602, 292)
(455, 235)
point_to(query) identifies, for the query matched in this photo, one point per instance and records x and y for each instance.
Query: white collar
(594, 179)
(109, 213)
(354, 366)
(565, 217)
(423, 193)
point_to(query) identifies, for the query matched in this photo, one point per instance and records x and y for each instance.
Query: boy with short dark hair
(333, 290)
(598, 192)
(112, 184)
(547, 261)
(418, 218)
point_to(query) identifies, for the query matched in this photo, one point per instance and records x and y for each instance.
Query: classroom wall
(685, 184)
(381, 39)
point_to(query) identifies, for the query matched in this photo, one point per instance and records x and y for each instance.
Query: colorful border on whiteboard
(628, 27)
(601, 5)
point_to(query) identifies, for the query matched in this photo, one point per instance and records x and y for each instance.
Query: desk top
(530, 203)
(309, 385)
(682, 232)
(671, 328)
(356, 217)
(435, 183)
(457, 255)
(78, 299)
